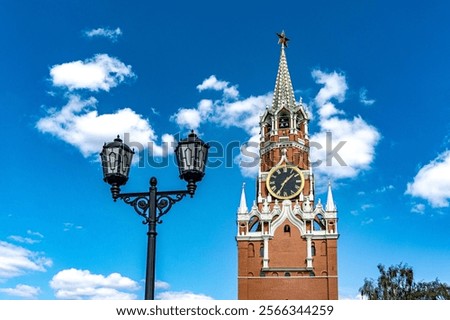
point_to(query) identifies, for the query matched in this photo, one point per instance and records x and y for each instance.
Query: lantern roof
(118, 143)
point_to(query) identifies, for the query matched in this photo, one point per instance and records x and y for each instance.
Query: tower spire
(283, 95)
(330, 206)
(243, 204)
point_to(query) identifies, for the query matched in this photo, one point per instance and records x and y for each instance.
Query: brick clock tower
(287, 241)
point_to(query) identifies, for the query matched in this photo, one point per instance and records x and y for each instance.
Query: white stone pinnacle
(243, 204)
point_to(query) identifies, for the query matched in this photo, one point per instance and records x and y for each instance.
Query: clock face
(285, 182)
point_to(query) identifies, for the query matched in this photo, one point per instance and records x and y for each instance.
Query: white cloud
(165, 294)
(367, 221)
(385, 188)
(167, 146)
(418, 208)
(367, 206)
(35, 234)
(68, 226)
(34, 237)
(335, 86)
(181, 295)
(188, 118)
(248, 158)
(343, 147)
(101, 72)
(161, 285)
(432, 182)
(79, 124)
(350, 296)
(241, 113)
(212, 83)
(23, 291)
(21, 239)
(226, 112)
(359, 138)
(82, 284)
(192, 118)
(154, 111)
(329, 109)
(16, 261)
(229, 112)
(363, 97)
(104, 32)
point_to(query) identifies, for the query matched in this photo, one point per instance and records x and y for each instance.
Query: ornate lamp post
(191, 155)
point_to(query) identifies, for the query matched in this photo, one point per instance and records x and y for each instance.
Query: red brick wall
(288, 251)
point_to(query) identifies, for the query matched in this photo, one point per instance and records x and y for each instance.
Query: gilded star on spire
(282, 39)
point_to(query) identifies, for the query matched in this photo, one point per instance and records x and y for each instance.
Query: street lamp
(116, 156)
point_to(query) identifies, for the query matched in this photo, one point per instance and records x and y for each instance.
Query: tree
(397, 283)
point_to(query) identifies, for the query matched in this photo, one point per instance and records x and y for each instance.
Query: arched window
(323, 248)
(287, 274)
(313, 249)
(287, 230)
(283, 121)
(254, 225)
(251, 250)
(267, 128)
(261, 251)
(319, 222)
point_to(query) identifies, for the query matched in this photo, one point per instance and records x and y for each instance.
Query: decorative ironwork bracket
(141, 201)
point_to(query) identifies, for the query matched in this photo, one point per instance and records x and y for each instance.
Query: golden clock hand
(284, 182)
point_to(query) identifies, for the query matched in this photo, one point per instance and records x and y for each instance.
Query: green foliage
(397, 283)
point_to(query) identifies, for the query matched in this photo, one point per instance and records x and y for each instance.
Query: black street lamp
(191, 155)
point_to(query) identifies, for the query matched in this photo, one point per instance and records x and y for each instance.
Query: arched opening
(323, 248)
(283, 121)
(251, 250)
(254, 224)
(242, 229)
(267, 127)
(319, 223)
(287, 230)
(331, 227)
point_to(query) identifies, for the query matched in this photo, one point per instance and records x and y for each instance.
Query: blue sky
(76, 73)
